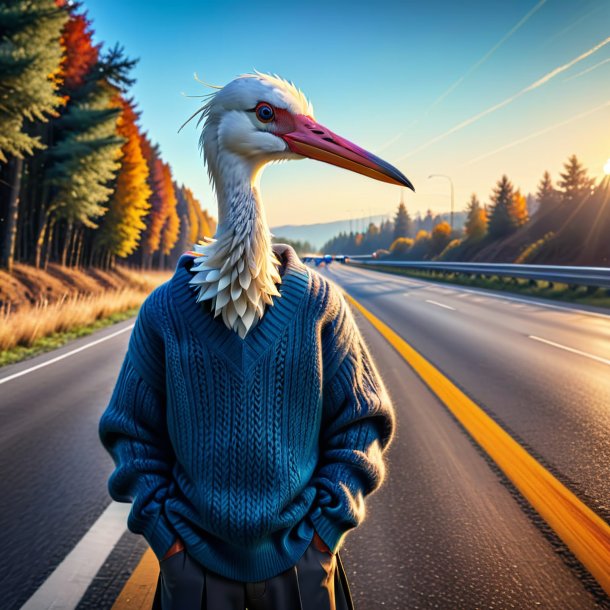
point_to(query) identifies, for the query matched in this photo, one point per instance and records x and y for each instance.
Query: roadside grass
(598, 297)
(45, 326)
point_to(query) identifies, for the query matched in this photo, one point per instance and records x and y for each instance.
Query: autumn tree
(441, 236)
(151, 239)
(171, 227)
(122, 226)
(519, 214)
(30, 59)
(421, 245)
(476, 220)
(401, 245)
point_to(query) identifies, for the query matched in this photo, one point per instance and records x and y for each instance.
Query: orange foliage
(80, 52)
(159, 198)
(130, 201)
(171, 227)
(518, 211)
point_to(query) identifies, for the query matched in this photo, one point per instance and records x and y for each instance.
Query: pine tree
(121, 227)
(30, 59)
(402, 222)
(500, 220)
(575, 184)
(547, 195)
(476, 220)
(85, 157)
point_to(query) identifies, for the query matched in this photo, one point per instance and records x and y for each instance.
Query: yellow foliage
(401, 245)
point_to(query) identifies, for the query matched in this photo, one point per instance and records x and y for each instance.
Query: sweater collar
(295, 283)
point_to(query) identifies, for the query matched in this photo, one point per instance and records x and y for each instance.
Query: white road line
(74, 351)
(65, 587)
(440, 305)
(571, 349)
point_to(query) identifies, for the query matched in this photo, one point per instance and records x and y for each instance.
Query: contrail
(589, 69)
(485, 57)
(530, 136)
(460, 80)
(535, 85)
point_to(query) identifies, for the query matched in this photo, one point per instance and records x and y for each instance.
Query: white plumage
(254, 120)
(238, 270)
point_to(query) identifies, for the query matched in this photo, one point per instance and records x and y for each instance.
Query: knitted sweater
(244, 447)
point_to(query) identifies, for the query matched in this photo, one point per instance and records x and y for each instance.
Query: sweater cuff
(332, 535)
(160, 536)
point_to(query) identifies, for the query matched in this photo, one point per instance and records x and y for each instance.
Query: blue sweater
(244, 447)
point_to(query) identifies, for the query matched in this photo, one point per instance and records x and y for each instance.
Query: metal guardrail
(576, 276)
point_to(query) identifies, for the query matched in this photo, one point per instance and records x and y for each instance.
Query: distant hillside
(318, 234)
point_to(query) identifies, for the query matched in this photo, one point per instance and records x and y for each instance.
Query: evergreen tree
(500, 219)
(575, 184)
(84, 159)
(476, 220)
(427, 222)
(402, 222)
(547, 196)
(30, 58)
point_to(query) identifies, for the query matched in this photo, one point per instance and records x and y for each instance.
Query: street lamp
(450, 182)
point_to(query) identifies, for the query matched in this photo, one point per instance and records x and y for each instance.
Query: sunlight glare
(607, 168)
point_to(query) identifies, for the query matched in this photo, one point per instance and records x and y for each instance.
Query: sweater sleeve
(133, 430)
(358, 425)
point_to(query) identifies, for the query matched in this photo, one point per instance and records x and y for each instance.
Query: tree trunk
(79, 248)
(47, 250)
(40, 239)
(66, 244)
(7, 249)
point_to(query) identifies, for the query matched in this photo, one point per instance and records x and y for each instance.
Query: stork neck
(240, 208)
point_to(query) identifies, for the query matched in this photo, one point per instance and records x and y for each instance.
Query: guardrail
(575, 276)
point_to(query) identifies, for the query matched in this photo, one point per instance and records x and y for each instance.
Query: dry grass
(27, 324)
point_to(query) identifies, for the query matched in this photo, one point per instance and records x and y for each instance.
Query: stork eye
(264, 113)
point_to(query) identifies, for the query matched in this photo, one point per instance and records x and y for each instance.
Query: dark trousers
(317, 582)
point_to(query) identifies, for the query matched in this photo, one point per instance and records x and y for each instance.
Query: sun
(607, 167)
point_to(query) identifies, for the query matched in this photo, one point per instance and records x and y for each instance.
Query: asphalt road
(445, 531)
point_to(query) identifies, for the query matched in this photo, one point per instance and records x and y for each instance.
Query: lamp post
(451, 183)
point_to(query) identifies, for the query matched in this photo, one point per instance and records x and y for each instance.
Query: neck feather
(237, 270)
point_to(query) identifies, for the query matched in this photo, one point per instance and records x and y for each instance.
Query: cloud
(535, 85)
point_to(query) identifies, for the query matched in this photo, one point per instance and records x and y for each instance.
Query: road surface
(446, 530)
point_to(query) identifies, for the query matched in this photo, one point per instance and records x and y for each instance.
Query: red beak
(310, 139)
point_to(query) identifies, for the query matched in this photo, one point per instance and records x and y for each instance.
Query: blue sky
(380, 74)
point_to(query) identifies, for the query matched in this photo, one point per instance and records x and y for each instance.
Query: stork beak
(310, 139)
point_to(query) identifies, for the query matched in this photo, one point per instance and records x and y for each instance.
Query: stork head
(258, 118)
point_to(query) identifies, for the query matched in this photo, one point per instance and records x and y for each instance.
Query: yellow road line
(139, 590)
(583, 532)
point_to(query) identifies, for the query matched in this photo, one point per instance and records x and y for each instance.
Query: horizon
(472, 91)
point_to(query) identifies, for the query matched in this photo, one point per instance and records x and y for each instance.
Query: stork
(254, 120)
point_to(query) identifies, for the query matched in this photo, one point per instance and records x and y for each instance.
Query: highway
(447, 530)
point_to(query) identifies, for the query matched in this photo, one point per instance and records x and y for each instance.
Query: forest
(566, 222)
(81, 184)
